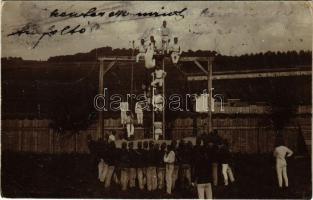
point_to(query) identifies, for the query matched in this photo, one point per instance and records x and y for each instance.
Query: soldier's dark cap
(112, 144)
(124, 144)
(130, 144)
(139, 145)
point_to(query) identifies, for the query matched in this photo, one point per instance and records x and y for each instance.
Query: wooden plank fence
(245, 134)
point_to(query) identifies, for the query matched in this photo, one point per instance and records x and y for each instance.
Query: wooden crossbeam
(200, 67)
(118, 58)
(250, 75)
(133, 58)
(189, 58)
(109, 66)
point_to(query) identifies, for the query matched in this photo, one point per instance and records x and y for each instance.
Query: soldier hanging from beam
(158, 76)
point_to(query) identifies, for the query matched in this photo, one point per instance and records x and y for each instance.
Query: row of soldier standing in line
(158, 166)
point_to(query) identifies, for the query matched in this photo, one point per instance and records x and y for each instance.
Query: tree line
(222, 62)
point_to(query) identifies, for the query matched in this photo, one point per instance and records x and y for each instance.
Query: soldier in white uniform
(157, 130)
(159, 75)
(142, 50)
(157, 101)
(280, 153)
(169, 159)
(149, 55)
(124, 109)
(129, 124)
(165, 36)
(175, 51)
(139, 112)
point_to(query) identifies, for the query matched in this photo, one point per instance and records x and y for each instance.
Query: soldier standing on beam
(165, 36)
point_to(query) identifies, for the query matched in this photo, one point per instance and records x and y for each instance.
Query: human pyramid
(152, 56)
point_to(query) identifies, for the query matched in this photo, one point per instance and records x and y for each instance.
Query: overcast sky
(230, 28)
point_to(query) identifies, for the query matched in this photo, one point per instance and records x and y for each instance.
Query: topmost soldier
(165, 36)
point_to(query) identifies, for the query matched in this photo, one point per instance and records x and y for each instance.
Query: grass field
(65, 176)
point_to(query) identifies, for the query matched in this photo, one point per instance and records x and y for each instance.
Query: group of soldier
(152, 166)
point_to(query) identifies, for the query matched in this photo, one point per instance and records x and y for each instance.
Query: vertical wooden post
(51, 133)
(101, 92)
(210, 124)
(164, 105)
(153, 116)
(20, 134)
(102, 72)
(132, 77)
(35, 133)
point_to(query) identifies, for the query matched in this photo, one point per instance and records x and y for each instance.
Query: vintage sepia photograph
(156, 100)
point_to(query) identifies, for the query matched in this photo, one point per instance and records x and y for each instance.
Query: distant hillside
(247, 61)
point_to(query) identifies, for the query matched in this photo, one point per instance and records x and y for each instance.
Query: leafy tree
(283, 104)
(72, 109)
